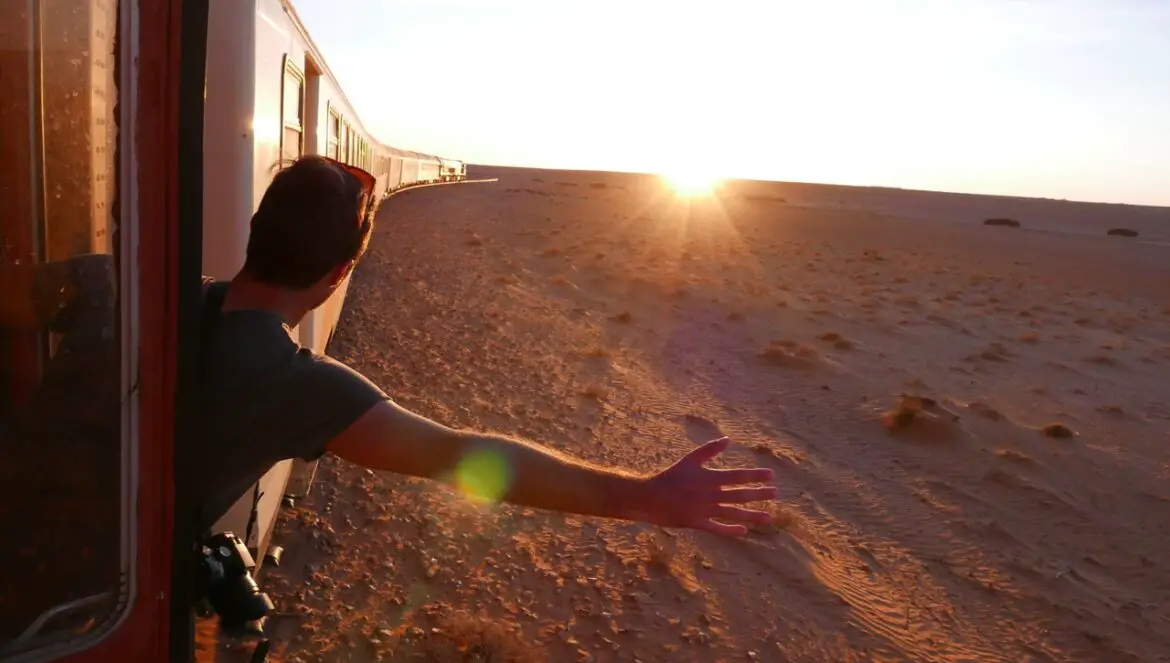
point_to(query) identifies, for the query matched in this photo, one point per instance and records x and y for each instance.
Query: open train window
(292, 111)
(333, 140)
(350, 144)
(66, 385)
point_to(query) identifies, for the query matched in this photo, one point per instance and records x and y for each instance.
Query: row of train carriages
(270, 98)
(399, 169)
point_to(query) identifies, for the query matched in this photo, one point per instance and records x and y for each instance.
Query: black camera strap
(213, 298)
(212, 307)
(253, 516)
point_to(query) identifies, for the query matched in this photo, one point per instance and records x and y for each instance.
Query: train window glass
(334, 131)
(63, 455)
(292, 112)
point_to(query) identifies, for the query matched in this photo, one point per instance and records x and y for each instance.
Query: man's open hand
(689, 495)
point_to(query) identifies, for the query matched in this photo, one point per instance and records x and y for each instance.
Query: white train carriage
(429, 169)
(409, 168)
(395, 172)
(453, 170)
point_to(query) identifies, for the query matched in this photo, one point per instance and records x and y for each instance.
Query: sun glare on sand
(690, 182)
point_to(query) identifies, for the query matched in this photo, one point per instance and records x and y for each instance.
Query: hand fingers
(708, 450)
(746, 475)
(743, 495)
(722, 529)
(738, 514)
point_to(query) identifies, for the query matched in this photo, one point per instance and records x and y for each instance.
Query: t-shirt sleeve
(325, 399)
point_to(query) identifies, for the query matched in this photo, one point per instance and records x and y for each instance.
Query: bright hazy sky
(1053, 98)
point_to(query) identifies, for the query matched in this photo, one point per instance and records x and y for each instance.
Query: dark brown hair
(316, 215)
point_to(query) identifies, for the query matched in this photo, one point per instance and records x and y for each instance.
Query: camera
(224, 580)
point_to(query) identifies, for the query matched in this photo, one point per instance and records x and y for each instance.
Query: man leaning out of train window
(268, 399)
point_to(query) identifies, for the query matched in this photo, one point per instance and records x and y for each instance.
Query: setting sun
(690, 183)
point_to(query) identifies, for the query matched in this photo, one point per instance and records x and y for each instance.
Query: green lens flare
(483, 475)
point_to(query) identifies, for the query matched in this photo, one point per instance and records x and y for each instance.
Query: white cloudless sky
(1052, 98)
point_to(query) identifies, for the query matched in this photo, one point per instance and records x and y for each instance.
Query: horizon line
(1164, 206)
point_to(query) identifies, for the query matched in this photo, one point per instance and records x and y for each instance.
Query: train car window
(334, 137)
(63, 451)
(292, 112)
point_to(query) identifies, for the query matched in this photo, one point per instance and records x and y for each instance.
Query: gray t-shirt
(268, 399)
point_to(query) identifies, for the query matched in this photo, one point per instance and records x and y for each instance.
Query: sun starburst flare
(691, 183)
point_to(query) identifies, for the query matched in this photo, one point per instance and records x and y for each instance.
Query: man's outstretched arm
(389, 437)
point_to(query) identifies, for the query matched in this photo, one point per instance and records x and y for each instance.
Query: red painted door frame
(143, 635)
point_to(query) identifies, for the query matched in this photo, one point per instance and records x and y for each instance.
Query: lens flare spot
(483, 476)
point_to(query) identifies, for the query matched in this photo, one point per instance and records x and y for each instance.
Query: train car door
(96, 99)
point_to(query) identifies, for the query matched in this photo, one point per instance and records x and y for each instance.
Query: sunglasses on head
(367, 181)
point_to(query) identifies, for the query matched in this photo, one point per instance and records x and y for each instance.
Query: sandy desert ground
(970, 427)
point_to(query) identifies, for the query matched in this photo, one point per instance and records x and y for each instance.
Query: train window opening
(350, 144)
(333, 139)
(64, 452)
(292, 112)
